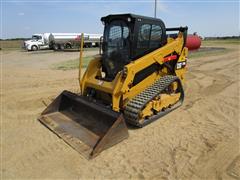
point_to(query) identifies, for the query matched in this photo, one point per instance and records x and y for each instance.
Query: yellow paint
(121, 88)
(158, 104)
(80, 60)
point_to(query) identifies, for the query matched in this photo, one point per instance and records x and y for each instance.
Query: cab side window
(149, 37)
(143, 36)
(156, 34)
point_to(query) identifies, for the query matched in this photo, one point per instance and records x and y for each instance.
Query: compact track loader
(136, 79)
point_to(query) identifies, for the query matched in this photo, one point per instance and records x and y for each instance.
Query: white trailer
(69, 40)
(60, 41)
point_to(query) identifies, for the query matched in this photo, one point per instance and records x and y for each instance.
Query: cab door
(40, 41)
(149, 35)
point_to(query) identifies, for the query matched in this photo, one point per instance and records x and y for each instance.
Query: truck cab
(38, 41)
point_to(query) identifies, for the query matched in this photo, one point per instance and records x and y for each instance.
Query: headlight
(125, 71)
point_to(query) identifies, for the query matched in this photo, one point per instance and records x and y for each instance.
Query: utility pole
(155, 9)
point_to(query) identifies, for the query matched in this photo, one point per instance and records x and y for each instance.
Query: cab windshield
(116, 47)
(35, 37)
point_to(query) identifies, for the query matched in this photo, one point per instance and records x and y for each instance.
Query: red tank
(193, 42)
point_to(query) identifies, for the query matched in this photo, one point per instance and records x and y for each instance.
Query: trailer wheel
(61, 47)
(68, 46)
(34, 48)
(90, 45)
(55, 47)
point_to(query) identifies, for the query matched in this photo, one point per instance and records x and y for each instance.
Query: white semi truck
(60, 41)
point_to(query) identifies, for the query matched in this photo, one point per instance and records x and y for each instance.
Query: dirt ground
(199, 140)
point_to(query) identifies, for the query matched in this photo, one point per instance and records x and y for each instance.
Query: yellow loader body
(124, 85)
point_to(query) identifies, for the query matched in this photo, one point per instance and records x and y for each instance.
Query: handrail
(80, 60)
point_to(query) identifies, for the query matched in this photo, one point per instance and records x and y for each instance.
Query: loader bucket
(86, 126)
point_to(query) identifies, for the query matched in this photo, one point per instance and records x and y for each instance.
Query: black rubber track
(137, 104)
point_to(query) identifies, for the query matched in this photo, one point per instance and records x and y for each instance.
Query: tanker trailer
(61, 41)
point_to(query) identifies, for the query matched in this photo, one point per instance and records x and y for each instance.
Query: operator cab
(128, 37)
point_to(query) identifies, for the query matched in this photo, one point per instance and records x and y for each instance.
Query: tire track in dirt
(198, 140)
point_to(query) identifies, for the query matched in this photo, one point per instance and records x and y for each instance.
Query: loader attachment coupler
(86, 126)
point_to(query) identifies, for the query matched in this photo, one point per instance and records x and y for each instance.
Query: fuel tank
(193, 42)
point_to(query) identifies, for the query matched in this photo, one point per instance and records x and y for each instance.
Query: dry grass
(202, 52)
(208, 51)
(11, 45)
(235, 41)
(71, 64)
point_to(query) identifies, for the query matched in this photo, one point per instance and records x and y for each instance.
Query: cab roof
(111, 17)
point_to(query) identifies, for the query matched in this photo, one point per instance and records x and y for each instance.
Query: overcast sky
(22, 18)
